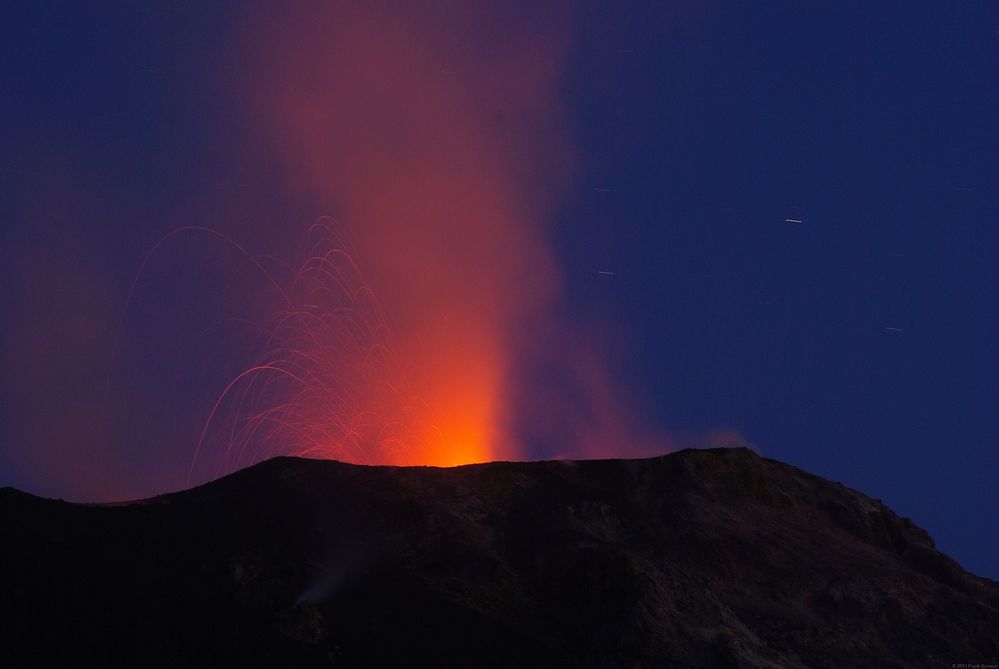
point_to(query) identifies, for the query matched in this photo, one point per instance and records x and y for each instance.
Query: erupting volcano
(444, 157)
(420, 320)
(386, 333)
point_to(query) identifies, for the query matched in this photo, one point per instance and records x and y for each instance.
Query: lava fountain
(331, 381)
(437, 135)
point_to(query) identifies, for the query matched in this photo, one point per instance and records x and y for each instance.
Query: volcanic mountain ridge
(700, 558)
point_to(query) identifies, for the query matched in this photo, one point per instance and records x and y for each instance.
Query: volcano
(700, 558)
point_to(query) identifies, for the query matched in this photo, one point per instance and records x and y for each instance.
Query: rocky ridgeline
(712, 558)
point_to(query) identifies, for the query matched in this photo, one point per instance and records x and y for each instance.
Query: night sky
(651, 156)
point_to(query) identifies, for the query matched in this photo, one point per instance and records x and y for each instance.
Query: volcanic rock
(706, 558)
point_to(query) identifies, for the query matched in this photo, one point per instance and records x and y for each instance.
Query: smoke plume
(437, 137)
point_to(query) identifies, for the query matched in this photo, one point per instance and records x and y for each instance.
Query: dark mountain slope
(699, 558)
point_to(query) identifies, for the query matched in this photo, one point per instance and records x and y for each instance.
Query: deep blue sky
(859, 345)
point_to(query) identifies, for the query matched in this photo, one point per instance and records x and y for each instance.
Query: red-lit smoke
(436, 136)
(437, 139)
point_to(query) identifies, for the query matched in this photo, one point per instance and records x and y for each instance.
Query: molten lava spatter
(332, 382)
